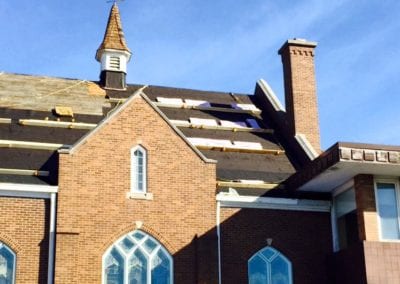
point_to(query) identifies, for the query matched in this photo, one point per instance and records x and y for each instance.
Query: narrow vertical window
(7, 265)
(269, 266)
(346, 218)
(138, 169)
(387, 203)
(137, 258)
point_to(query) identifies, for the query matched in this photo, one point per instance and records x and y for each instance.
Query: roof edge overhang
(341, 162)
(299, 149)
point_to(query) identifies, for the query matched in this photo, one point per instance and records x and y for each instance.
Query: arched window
(7, 265)
(137, 258)
(269, 266)
(138, 169)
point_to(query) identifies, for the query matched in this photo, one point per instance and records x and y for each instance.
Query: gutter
(233, 200)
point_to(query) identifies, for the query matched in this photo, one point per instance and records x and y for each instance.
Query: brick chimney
(300, 90)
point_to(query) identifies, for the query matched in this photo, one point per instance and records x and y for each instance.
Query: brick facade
(303, 237)
(24, 228)
(366, 208)
(300, 90)
(94, 211)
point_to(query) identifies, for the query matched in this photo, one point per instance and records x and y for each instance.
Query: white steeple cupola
(113, 53)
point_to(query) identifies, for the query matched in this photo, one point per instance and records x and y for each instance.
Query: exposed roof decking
(44, 93)
(50, 128)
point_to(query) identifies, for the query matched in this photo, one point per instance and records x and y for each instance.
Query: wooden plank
(21, 172)
(61, 124)
(31, 145)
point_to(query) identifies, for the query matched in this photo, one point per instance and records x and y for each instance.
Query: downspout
(50, 272)
(219, 240)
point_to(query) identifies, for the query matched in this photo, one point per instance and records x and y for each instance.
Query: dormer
(113, 53)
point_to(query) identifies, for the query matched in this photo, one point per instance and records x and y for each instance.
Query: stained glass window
(7, 265)
(137, 258)
(269, 266)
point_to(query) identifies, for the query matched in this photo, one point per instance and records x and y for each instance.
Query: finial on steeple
(113, 52)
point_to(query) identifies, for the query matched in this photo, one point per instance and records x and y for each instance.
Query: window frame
(397, 193)
(8, 248)
(139, 245)
(134, 171)
(268, 262)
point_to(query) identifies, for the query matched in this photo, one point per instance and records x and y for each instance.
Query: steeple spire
(113, 53)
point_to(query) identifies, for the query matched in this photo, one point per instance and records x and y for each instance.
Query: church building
(115, 183)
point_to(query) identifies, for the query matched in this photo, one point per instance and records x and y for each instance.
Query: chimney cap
(297, 42)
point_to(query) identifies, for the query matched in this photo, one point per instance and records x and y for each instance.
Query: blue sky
(226, 46)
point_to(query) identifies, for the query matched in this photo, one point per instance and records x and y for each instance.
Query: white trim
(306, 145)
(237, 201)
(27, 190)
(397, 192)
(52, 232)
(218, 217)
(273, 99)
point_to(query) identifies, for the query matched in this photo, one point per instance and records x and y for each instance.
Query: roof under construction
(39, 115)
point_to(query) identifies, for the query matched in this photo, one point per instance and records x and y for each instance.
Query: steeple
(113, 53)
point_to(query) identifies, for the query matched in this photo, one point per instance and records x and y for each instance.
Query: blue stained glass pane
(258, 271)
(137, 268)
(138, 235)
(161, 269)
(6, 265)
(388, 211)
(280, 272)
(268, 253)
(149, 245)
(126, 244)
(114, 268)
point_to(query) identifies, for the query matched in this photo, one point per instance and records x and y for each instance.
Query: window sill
(140, 195)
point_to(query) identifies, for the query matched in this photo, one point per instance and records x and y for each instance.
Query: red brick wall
(300, 91)
(24, 228)
(366, 208)
(303, 237)
(94, 211)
